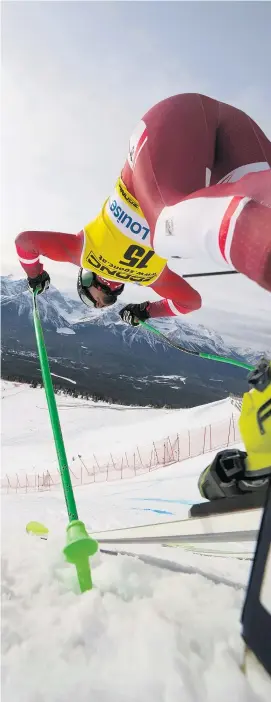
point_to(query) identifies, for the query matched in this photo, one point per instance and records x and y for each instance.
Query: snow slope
(26, 435)
(143, 634)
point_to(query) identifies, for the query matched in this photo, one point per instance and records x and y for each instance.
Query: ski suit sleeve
(180, 297)
(57, 246)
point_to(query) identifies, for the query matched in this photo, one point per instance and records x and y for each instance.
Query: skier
(234, 472)
(197, 180)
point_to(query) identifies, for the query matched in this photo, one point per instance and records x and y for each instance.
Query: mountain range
(101, 355)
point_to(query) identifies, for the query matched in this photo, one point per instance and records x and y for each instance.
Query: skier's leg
(229, 221)
(250, 251)
(233, 472)
(182, 145)
(171, 152)
(242, 147)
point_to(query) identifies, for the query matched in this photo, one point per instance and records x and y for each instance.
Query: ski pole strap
(209, 356)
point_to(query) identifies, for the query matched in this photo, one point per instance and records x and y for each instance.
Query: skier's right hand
(41, 281)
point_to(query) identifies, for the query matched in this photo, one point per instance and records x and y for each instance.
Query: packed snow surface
(143, 633)
(88, 427)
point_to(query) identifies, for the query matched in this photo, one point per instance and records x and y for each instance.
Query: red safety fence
(142, 459)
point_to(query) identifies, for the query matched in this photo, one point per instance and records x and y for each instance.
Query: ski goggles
(84, 281)
(86, 278)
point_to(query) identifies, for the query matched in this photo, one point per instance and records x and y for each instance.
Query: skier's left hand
(133, 314)
(40, 283)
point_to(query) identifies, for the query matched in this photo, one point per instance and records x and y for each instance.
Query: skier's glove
(42, 280)
(133, 314)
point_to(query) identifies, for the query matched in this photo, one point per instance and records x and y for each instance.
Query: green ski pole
(80, 546)
(209, 356)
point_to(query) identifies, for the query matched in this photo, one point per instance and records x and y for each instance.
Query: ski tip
(37, 529)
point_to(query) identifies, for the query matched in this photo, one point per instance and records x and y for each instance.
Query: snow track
(177, 567)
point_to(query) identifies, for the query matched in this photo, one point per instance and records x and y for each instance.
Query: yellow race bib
(117, 242)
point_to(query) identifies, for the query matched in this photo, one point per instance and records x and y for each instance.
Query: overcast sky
(78, 76)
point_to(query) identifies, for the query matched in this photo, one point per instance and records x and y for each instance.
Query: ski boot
(234, 472)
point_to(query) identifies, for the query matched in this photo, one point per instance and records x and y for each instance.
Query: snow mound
(65, 330)
(141, 634)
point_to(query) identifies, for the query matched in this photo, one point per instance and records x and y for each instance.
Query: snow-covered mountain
(53, 306)
(99, 354)
(63, 313)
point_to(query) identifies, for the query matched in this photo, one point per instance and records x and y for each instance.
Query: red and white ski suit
(200, 171)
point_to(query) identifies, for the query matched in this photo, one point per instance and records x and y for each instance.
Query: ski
(252, 500)
(229, 520)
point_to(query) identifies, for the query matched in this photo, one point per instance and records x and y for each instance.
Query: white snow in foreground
(143, 634)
